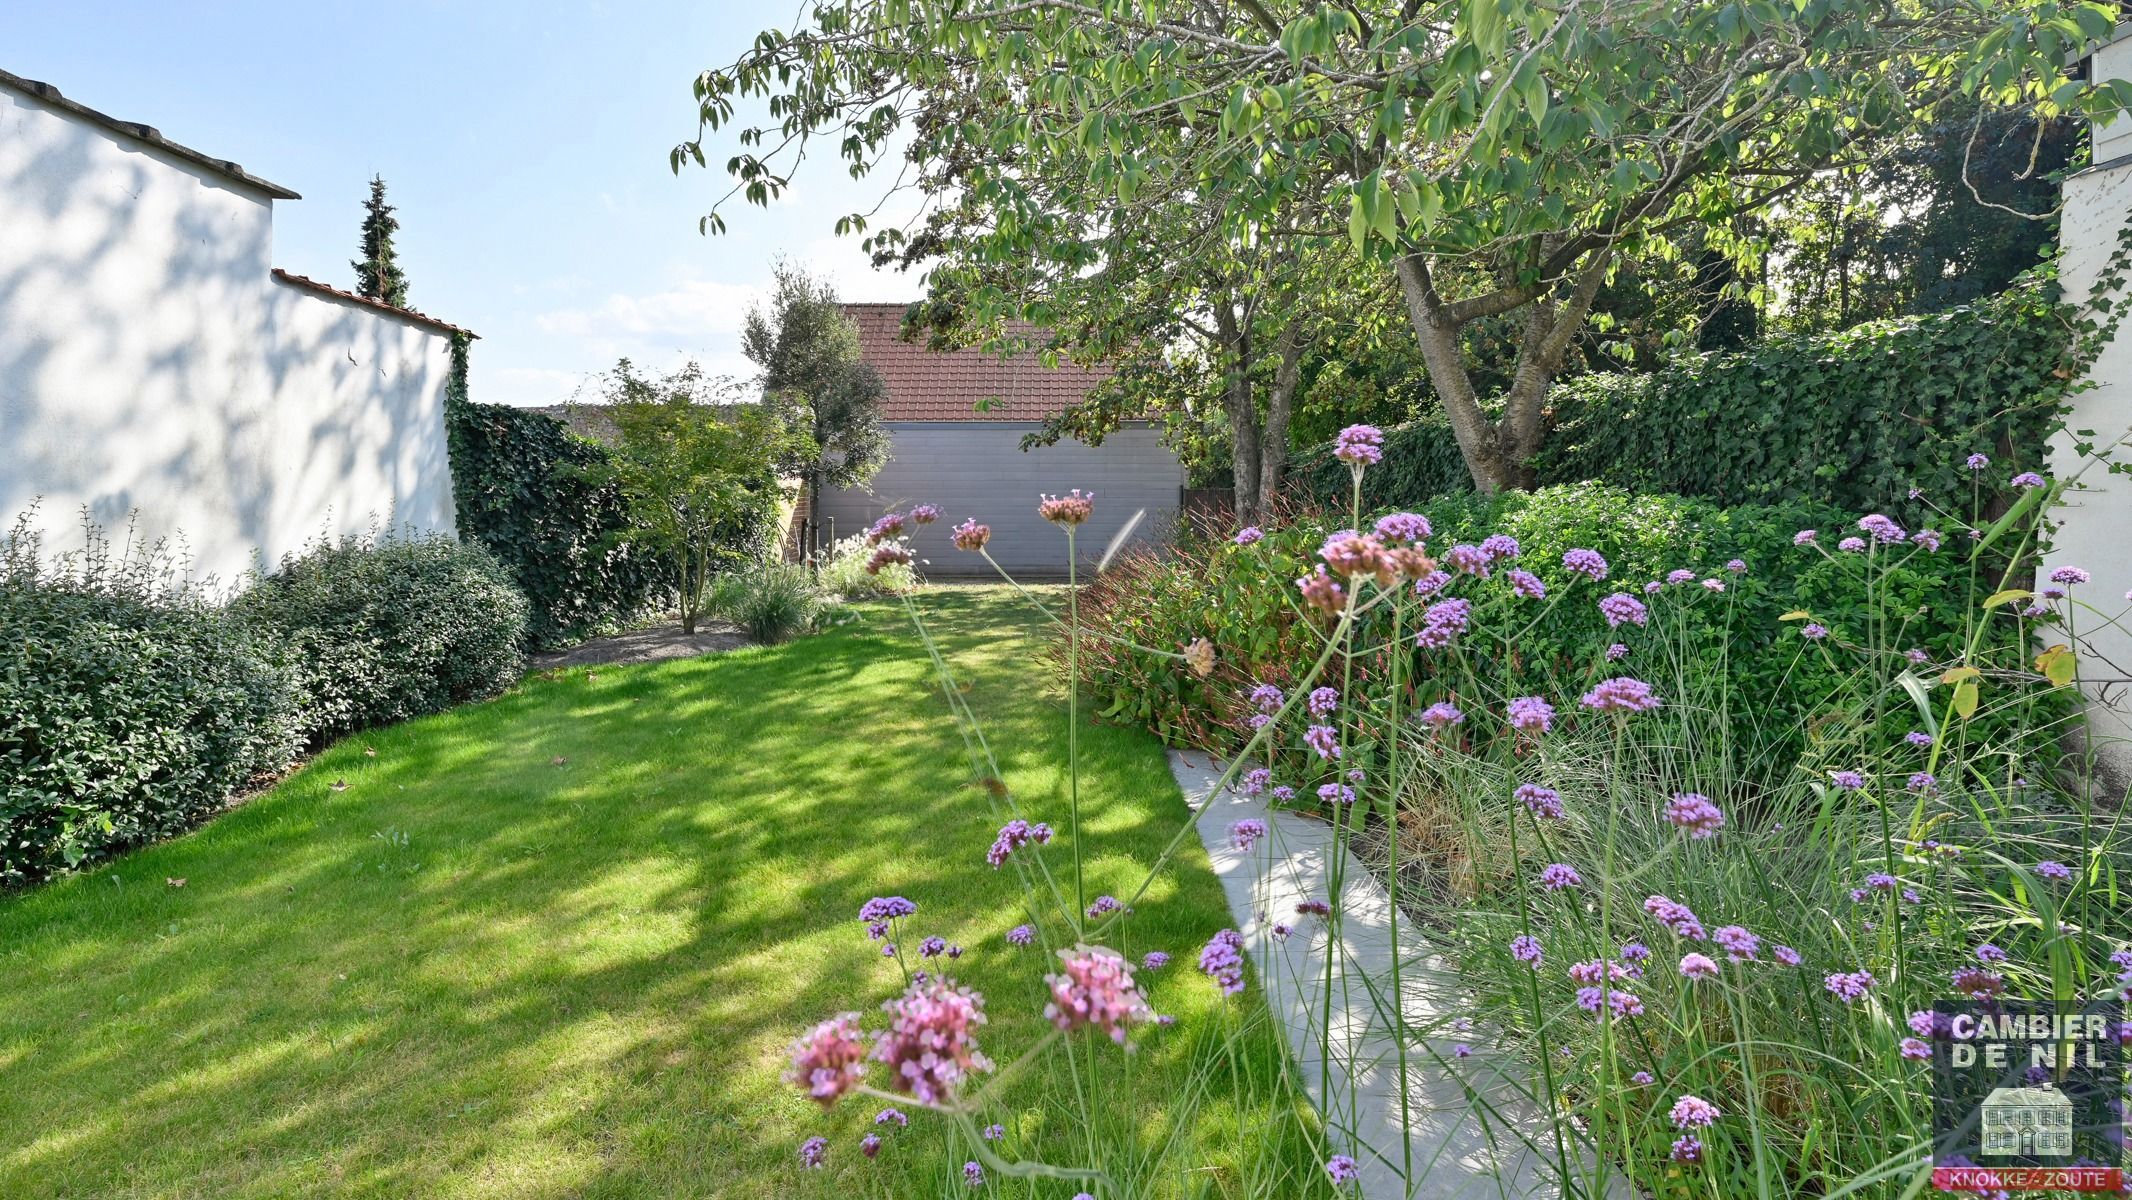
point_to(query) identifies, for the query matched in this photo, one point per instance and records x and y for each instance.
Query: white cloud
(691, 309)
(524, 387)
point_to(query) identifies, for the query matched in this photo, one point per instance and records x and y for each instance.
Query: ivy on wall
(1855, 419)
(520, 483)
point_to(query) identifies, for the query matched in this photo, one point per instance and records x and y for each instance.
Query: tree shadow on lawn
(477, 970)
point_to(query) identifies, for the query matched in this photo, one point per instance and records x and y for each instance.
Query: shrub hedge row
(521, 483)
(1855, 419)
(131, 705)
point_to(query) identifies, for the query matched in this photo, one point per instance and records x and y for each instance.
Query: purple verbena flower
(1341, 1170)
(1738, 943)
(1621, 608)
(1882, 529)
(1336, 793)
(2028, 479)
(1698, 966)
(1155, 961)
(2051, 869)
(1588, 563)
(1324, 739)
(1687, 1148)
(1468, 559)
(1849, 781)
(1526, 949)
(1245, 833)
(1695, 813)
(1850, 986)
(1013, 836)
(812, 1151)
(1556, 876)
(1021, 935)
(1403, 527)
(1322, 701)
(1441, 715)
(1540, 801)
(1359, 445)
(1222, 961)
(1526, 585)
(1103, 906)
(1976, 462)
(1852, 545)
(1620, 694)
(1248, 535)
(1693, 1112)
(2069, 575)
(1531, 714)
(973, 1174)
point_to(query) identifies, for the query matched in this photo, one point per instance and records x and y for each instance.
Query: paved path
(1471, 1125)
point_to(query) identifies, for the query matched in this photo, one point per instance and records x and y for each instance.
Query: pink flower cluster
(1069, 510)
(829, 1059)
(1095, 989)
(930, 1045)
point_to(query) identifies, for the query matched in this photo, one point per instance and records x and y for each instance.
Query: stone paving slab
(1471, 1127)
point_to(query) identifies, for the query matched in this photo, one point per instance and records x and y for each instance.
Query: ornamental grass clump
(1706, 923)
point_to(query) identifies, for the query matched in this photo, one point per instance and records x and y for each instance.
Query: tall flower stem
(1073, 721)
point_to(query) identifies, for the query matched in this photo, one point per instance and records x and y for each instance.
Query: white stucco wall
(150, 362)
(2095, 530)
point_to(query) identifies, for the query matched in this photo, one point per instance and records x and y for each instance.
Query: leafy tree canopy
(1501, 158)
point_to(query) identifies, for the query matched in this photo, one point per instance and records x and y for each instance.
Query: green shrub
(526, 490)
(1855, 419)
(129, 706)
(771, 604)
(844, 571)
(377, 630)
(1226, 594)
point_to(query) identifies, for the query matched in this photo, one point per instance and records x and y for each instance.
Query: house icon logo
(2029, 1122)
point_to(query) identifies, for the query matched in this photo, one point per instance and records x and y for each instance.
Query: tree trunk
(1438, 336)
(1499, 453)
(1273, 440)
(1238, 403)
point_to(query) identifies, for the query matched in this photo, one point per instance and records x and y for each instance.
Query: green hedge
(1855, 419)
(373, 631)
(519, 482)
(128, 710)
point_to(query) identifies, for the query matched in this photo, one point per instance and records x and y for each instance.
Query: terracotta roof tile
(932, 385)
(305, 281)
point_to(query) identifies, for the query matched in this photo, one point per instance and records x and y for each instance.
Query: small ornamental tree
(377, 272)
(808, 353)
(700, 479)
(1499, 158)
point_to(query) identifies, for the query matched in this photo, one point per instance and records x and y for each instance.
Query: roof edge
(147, 135)
(406, 314)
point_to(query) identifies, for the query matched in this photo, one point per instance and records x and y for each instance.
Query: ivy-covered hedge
(1855, 419)
(518, 478)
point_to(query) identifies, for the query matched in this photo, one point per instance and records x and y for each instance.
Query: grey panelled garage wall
(978, 469)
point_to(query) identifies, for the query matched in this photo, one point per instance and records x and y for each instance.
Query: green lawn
(557, 944)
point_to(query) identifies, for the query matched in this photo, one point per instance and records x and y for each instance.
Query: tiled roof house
(956, 420)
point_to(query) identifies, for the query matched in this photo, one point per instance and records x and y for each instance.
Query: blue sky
(525, 145)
